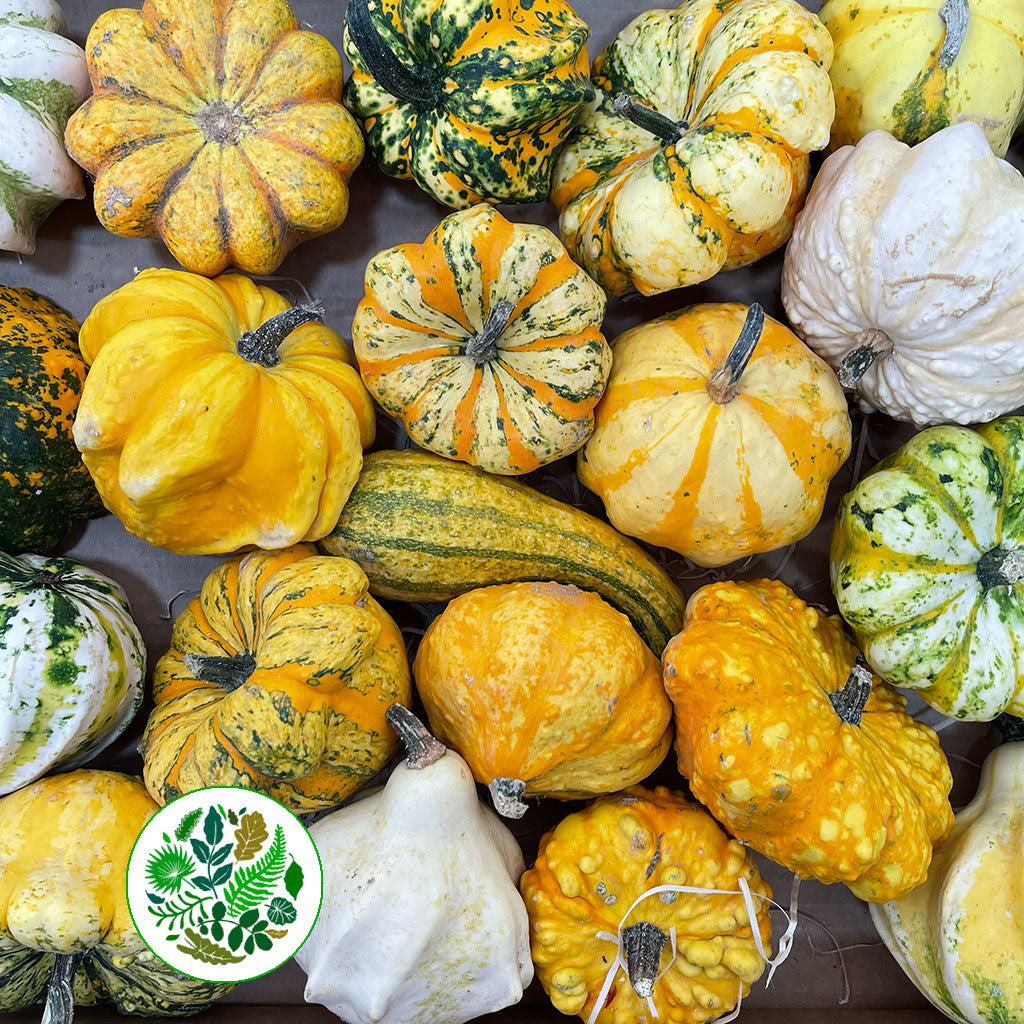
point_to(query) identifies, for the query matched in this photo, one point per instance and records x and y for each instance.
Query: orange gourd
(718, 434)
(798, 750)
(545, 690)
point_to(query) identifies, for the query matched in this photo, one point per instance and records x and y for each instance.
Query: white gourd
(912, 257)
(72, 666)
(43, 80)
(422, 921)
(960, 937)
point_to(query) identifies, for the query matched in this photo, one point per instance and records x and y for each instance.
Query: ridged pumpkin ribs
(278, 679)
(217, 125)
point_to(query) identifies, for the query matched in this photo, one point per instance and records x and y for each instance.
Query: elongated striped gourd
(72, 664)
(43, 78)
(426, 529)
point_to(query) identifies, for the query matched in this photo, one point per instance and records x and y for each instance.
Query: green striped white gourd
(928, 567)
(72, 665)
(43, 80)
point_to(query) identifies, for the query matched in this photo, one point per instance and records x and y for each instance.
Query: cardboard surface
(77, 263)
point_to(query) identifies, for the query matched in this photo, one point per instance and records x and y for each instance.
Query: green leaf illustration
(217, 930)
(222, 874)
(293, 878)
(221, 854)
(201, 850)
(250, 945)
(253, 884)
(213, 827)
(232, 817)
(187, 825)
(251, 835)
(281, 911)
(207, 950)
(263, 941)
(277, 933)
(168, 867)
(249, 918)
(235, 937)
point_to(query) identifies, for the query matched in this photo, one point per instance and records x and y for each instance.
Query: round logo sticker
(224, 884)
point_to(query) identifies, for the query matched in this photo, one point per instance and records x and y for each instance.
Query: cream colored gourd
(903, 272)
(421, 919)
(959, 936)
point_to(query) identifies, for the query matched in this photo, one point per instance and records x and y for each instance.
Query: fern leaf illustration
(253, 884)
(187, 825)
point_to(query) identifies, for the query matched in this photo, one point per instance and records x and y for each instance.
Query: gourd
(592, 867)
(545, 690)
(43, 78)
(799, 751)
(72, 663)
(217, 127)
(956, 936)
(927, 565)
(694, 156)
(470, 98)
(913, 69)
(43, 484)
(277, 679)
(66, 934)
(421, 919)
(896, 274)
(718, 434)
(485, 342)
(216, 416)
(423, 528)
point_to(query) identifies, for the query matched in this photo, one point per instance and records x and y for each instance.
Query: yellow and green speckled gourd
(912, 68)
(218, 126)
(470, 98)
(278, 679)
(694, 157)
(66, 934)
(592, 867)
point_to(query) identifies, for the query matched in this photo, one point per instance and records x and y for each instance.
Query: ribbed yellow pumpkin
(694, 157)
(278, 679)
(215, 416)
(718, 434)
(911, 69)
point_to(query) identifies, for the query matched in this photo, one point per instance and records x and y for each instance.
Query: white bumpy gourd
(421, 918)
(904, 273)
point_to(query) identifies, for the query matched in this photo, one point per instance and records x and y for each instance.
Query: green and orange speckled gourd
(66, 934)
(471, 98)
(278, 679)
(43, 483)
(591, 868)
(799, 751)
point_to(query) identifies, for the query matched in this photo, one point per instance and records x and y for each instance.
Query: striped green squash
(43, 80)
(471, 98)
(72, 665)
(928, 568)
(426, 529)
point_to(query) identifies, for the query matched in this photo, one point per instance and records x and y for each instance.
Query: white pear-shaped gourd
(904, 273)
(960, 936)
(43, 80)
(422, 920)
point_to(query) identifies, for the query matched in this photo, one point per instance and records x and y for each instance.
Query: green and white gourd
(72, 666)
(43, 80)
(928, 568)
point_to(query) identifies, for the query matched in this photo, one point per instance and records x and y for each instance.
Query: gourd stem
(260, 346)
(1011, 728)
(955, 13)
(868, 346)
(507, 795)
(44, 578)
(384, 67)
(59, 1007)
(1000, 567)
(642, 943)
(850, 700)
(483, 347)
(421, 749)
(650, 120)
(229, 672)
(724, 384)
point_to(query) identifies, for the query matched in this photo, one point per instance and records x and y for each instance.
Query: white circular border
(298, 844)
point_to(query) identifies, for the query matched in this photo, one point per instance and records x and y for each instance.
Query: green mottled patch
(913, 121)
(56, 100)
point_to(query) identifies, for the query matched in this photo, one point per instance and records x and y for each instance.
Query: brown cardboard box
(77, 263)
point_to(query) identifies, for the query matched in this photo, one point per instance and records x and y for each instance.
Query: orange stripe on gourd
(518, 453)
